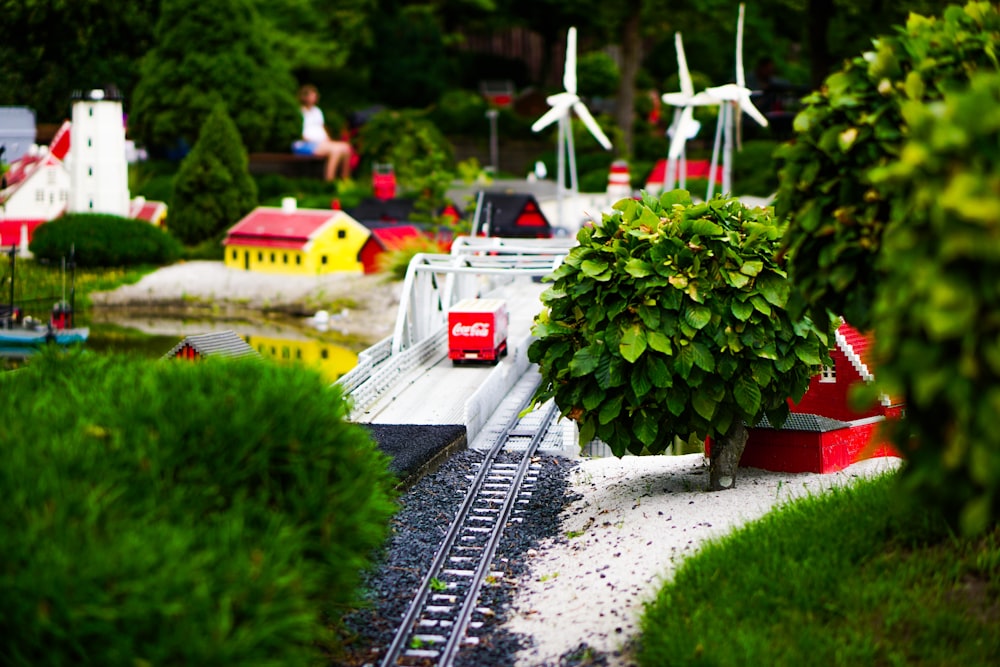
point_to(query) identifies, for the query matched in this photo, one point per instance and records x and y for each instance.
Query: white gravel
(638, 517)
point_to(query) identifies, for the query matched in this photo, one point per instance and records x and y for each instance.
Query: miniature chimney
(288, 205)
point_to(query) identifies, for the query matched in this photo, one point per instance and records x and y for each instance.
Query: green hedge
(936, 315)
(104, 241)
(176, 513)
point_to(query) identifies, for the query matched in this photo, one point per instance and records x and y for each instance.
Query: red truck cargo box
(477, 330)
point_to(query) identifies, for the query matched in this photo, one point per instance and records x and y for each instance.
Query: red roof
(276, 228)
(148, 211)
(59, 146)
(695, 169)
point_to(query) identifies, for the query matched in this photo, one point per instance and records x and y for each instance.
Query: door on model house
(246, 260)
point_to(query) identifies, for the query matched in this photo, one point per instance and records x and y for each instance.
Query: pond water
(284, 340)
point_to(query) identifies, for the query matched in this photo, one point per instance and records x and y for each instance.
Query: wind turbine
(684, 126)
(731, 96)
(562, 105)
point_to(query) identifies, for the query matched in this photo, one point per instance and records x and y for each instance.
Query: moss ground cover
(852, 577)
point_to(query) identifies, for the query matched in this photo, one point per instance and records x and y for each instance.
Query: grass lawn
(38, 286)
(848, 578)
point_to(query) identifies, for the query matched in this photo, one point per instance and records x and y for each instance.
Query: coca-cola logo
(479, 329)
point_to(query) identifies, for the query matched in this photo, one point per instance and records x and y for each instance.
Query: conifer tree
(213, 188)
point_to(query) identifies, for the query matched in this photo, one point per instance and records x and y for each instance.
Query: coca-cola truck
(477, 330)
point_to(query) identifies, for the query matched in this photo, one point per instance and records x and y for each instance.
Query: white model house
(90, 178)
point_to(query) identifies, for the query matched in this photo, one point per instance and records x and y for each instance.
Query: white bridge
(408, 377)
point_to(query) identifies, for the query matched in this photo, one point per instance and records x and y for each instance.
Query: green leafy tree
(213, 188)
(669, 320)
(854, 123)
(206, 51)
(50, 48)
(937, 316)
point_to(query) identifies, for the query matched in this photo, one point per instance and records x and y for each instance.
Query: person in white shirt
(316, 140)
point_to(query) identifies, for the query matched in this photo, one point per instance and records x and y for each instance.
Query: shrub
(669, 319)
(213, 188)
(938, 332)
(421, 157)
(396, 260)
(461, 112)
(837, 214)
(102, 240)
(210, 518)
(597, 74)
(186, 74)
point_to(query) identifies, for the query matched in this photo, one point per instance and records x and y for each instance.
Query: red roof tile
(268, 223)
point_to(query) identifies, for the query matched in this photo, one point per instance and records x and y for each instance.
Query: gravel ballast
(427, 510)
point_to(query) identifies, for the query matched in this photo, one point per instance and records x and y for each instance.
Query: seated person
(316, 141)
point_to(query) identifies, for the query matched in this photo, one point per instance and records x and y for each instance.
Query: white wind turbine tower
(731, 96)
(684, 126)
(562, 104)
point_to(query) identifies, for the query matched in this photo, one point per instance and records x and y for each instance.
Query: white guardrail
(476, 267)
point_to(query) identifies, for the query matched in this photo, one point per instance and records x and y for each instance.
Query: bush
(214, 517)
(104, 241)
(186, 74)
(461, 112)
(213, 188)
(597, 75)
(937, 330)
(396, 260)
(837, 214)
(669, 319)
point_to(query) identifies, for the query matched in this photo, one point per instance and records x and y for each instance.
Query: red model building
(824, 433)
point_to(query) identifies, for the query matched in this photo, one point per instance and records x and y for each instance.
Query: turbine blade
(679, 138)
(751, 110)
(549, 117)
(569, 73)
(687, 87)
(740, 77)
(685, 128)
(592, 125)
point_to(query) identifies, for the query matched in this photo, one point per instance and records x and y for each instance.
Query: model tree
(936, 316)
(205, 51)
(670, 319)
(837, 214)
(213, 188)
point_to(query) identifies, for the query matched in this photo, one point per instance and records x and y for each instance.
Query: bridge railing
(476, 267)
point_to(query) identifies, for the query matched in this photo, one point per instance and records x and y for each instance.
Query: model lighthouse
(98, 169)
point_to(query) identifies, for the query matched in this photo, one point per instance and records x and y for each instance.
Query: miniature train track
(443, 610)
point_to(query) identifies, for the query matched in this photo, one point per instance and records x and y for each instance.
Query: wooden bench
(287, 164)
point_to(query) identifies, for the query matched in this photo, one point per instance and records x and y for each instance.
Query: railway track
(443, 615)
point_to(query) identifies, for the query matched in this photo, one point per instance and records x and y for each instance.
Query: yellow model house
(296, 241)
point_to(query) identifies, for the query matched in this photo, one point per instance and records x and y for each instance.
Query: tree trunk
(631, 59)
(819, 17)
(726, 453)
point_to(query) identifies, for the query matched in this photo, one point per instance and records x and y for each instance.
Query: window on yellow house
(284, 258)
(260, 257)
(341, 233)
(322, 259)
(272, 258)
(298, 259)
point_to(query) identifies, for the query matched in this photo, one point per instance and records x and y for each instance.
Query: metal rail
(431, 634)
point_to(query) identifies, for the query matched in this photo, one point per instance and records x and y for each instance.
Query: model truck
(477, 330)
